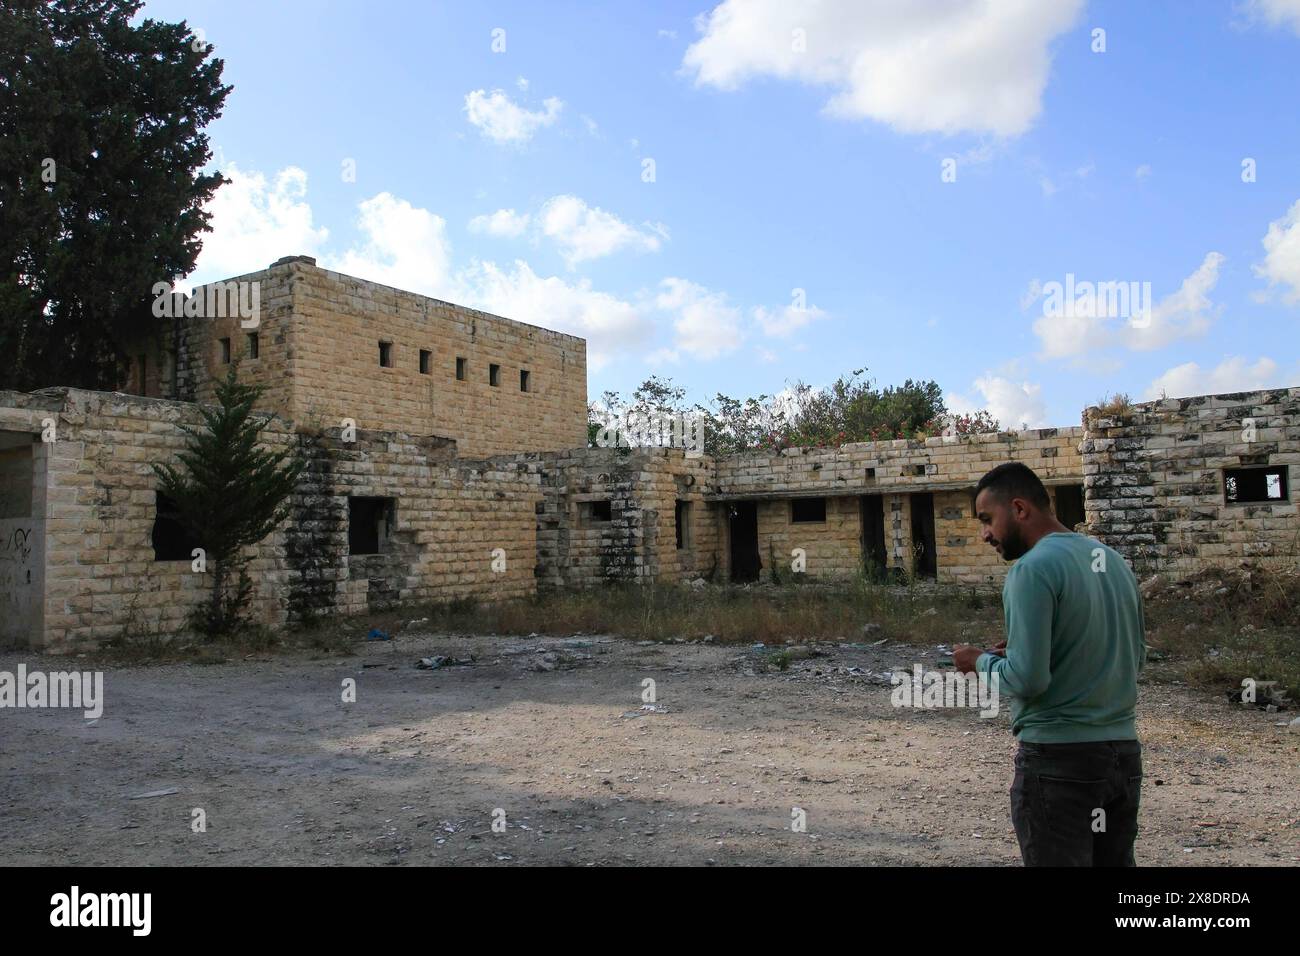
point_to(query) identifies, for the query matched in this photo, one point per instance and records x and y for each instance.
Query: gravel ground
(550, 739)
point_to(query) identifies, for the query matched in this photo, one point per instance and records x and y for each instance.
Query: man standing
(1074, 647)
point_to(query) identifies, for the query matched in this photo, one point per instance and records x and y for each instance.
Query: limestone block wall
(461, 528)
(947, 468)
(576, 548)
(340, 321)
(902, 466)
(98, 505)
(1155, 480)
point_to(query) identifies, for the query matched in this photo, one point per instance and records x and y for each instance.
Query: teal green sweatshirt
(1075, 642)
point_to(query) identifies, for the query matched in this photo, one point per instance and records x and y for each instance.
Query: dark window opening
(918, 470)
(225, 351)
(370, 521)
(425, 357)
(253, 351)
(683, 519)
(171, 542)
(460, 369)
(386, 354)
(1242, 485)
(494, 375)
(807, 510)
(597, 511)
(871, 474)
(523, 380)
(1069, 505)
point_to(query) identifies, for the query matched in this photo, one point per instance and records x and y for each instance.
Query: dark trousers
(1077, 804)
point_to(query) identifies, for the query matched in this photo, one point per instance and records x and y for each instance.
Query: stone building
(447, 459)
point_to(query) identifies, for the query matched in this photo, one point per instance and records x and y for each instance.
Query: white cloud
(522, 83)
(1281, 265)
(608, 323)
(504, 224)
(254, 222)
(923, 66)
(501, 120)
(1014, 405)
(1277, 13)
(1231, 375)
(783, 322)
(1142, 172)
(585, 232)
(1091, 324)
(401, 246)
(706, 324)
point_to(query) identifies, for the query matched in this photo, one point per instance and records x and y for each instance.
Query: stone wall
(946, 467)
(94, 574)
(1155, 478)
(578, 547)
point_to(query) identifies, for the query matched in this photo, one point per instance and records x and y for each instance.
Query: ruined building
(448, 459)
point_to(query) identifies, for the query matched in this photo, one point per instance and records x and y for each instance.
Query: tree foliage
(229, 493)
(101, 142)
(850, 409)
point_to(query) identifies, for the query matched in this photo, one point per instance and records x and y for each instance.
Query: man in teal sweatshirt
(1074, 647)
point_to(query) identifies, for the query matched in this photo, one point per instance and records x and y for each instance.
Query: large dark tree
(101, 142)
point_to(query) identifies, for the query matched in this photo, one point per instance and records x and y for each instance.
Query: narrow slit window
(253, 348)
(460, 369)
(386, 354)
(225, 351)
(494, 375)
(523, 380)
(425, 357)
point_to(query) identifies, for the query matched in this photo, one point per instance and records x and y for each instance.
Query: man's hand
(964, 657)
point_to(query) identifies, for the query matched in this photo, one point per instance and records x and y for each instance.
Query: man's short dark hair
(1014, 480)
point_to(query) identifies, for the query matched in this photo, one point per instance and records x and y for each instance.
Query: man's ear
(1020, 509)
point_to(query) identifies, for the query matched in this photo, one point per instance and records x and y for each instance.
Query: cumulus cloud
(502, 120)
(401, 245)
(1281, 265)
(706, 324)
(585, 232)
(943, 66)
(608, 323)
(504, 224)
(1233, 374)
(1014, 404)
(783, 322)
(254, 222)
(1277, 13)
(1090, 323)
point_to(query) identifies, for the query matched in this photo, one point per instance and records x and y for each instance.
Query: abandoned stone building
(448, 459)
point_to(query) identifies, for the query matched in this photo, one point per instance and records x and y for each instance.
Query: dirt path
(552, 733)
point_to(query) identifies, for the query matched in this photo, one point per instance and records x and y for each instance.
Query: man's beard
(1013, 544)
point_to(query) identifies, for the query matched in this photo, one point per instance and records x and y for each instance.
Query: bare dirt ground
(552, 732)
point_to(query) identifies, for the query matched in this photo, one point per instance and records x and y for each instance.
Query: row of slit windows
(253, 350)
(371, 519)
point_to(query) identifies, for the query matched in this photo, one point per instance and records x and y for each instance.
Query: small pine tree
(230, 494)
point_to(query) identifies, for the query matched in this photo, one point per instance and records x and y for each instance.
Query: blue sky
(834, 185)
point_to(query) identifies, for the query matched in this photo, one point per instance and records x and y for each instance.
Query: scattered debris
(434, 663)
(645, 709)
(376, 635)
